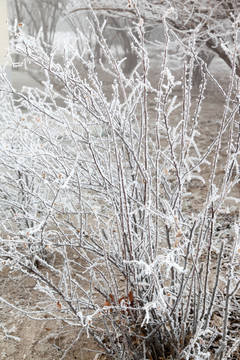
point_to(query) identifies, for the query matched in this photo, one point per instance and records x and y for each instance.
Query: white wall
(3, 32)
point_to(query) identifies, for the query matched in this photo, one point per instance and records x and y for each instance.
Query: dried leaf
(123, 301)
(179, 233)
(130, 297)
(106, 303)
(59, 305)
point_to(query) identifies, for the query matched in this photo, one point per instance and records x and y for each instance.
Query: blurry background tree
(116, 32)
(36, 15)
(211, 20)
(45, 15)
(39, 18)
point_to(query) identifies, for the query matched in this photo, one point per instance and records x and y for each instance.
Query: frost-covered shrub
(96, 179)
